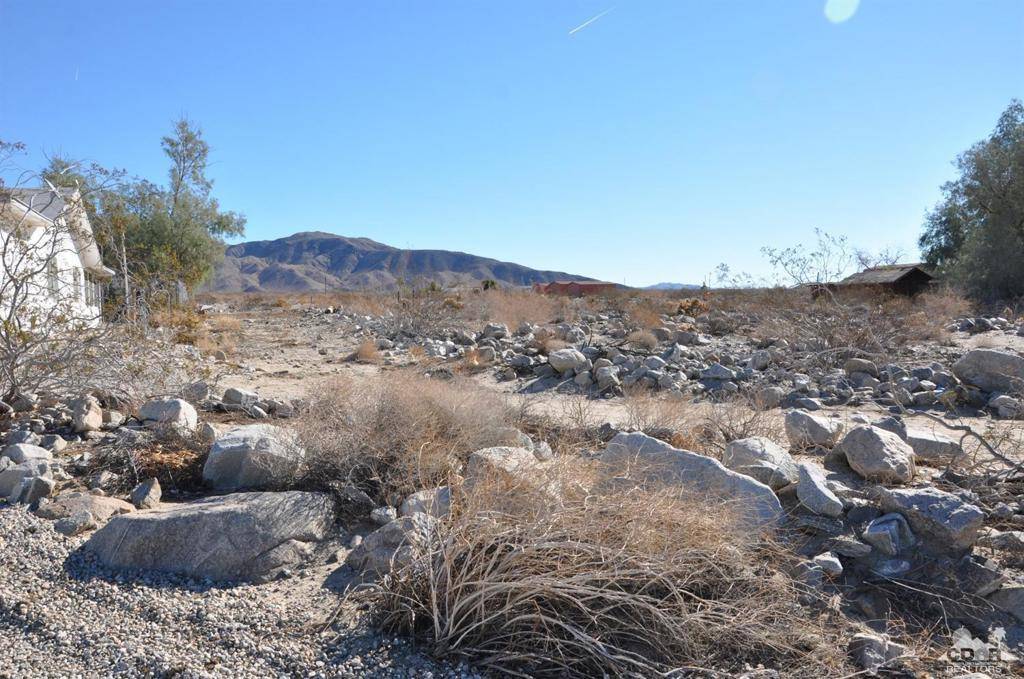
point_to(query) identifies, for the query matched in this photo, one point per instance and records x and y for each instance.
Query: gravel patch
(64, 615)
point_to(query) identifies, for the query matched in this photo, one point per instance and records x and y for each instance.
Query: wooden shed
(900, 279)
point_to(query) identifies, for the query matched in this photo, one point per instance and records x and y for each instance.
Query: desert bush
(399, 433)
(514, 307)
(635, 583)
(366, 352)
(174, 459)
(642, 339)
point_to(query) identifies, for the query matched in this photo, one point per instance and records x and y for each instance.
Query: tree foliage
(154, 235)
(975, 235)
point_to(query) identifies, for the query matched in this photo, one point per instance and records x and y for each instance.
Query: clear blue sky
(661, 139)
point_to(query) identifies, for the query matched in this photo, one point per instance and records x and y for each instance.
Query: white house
(50, 258)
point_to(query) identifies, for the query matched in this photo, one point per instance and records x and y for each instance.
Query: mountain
(672, 286)
(304, 261)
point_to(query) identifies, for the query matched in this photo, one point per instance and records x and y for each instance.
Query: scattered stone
(436, 502)
(147, 494)
(872, 652)
(86, 414)
(762, 459)
(878, 455)
(814, 494)
(26, 452)
(991, 370)
(255, 457)
(394, 545)
(170, 412)
(942, 520)
(808, 431)
(75, 524)
(889, 534)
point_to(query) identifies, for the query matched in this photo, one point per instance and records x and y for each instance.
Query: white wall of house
(44, 257)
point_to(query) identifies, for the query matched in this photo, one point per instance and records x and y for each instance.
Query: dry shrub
(548, 345)
(657, 414)
(692, 307)
(643, 339)
(366, 352)
(170, 457)
(645, 314)
(635, 583)
(399, 433)
(184, 323)
(514, 307)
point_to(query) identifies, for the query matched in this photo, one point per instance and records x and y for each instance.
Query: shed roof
(889, 273)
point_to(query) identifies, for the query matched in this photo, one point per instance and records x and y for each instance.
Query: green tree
(975, 235)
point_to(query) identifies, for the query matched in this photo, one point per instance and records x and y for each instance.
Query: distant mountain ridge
(672, 286)
(307, 261)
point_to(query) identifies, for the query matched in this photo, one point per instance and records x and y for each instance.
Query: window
(52, 279)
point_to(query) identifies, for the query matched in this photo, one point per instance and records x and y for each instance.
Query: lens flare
(838, 11)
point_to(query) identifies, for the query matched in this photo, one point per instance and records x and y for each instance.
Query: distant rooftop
(889, 273)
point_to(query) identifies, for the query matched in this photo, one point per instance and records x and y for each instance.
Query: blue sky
(655, 142)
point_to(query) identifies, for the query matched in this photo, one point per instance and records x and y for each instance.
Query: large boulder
(878, 455)
(991, 370)
(940, 520)
(640, 458)
(808, 431)
(394, 545)
(243, 536)
(564, 360)
(254, 457)
(170, 412)
(762, 459)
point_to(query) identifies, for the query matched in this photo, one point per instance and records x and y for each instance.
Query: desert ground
(489, 483)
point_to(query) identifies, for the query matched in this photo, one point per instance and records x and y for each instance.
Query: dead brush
(366, 352)
(635, 583)
(398, 433)
(642, 339)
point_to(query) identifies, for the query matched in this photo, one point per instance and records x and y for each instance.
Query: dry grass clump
(514, 307)
(643, 339)
(173, 459)
(635, 583)
(366, 352)
(398, 433)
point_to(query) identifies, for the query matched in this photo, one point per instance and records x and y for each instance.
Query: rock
(769, 397)
(878, 455)
(495, 331)
(240, 397)
(1009, 598)
(26, 452)
(99, 507)
(564, 360)
(55, 443)
(86, 414)
(12, 477)
(829, 563)
(147, 494)
(860, 365)
(991, 370)
(32, 489)
(383, 515)
(1011, 541)
(436, 502)
(978, 576)
(872, 652)
(814, 494)
(607, 377)
(648, 460)
(77, 523)
(718, 372)
(889, 534)
(243, 536)
(930, 446)
(847, 546)
(254, 456)
(395, 545)
(807, 431)
(762, 459)
(940, 519)
(170, 412)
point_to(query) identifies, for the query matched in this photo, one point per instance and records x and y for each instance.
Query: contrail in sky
(590, 21)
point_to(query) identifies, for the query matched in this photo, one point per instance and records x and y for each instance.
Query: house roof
(43, 201)
(889, 273)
